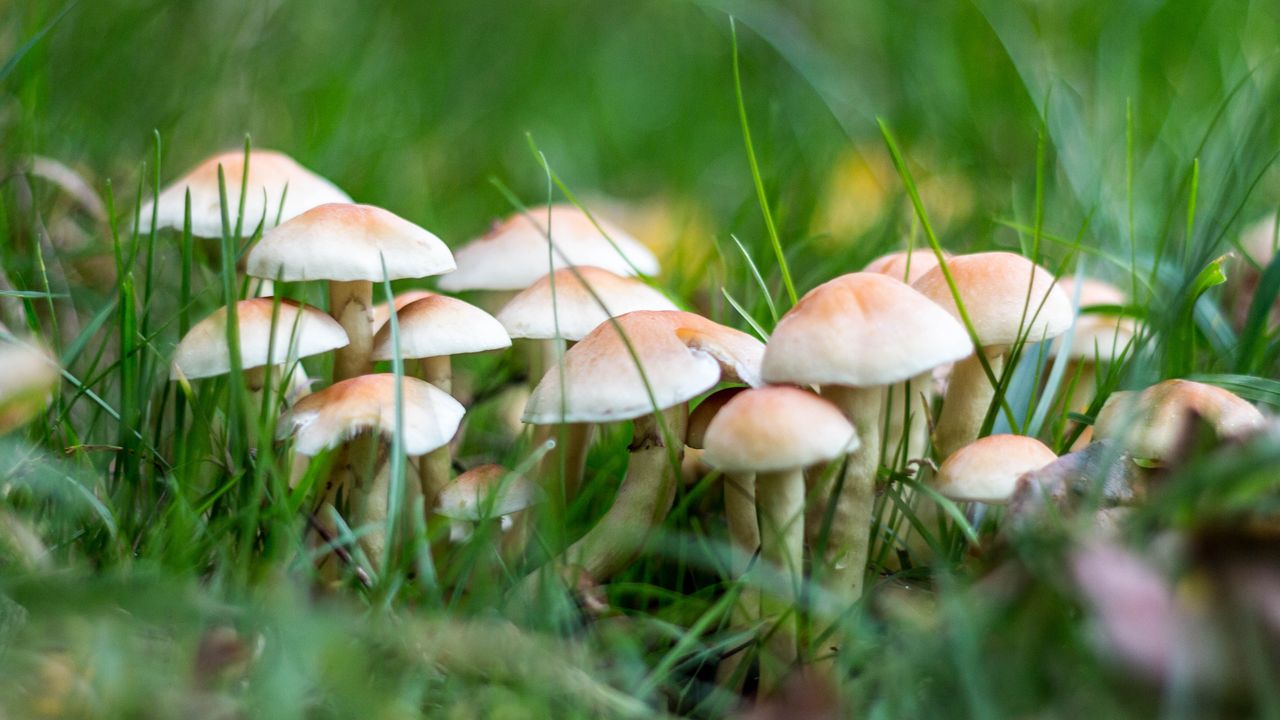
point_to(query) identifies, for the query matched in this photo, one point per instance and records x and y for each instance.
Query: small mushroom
(775, 433)
(350, 246)
(490, 494)
(987, 470)
(1151, 424)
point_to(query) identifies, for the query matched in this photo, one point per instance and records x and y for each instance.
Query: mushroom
(1151, 424)
(432, 329)
(567, 305)
(908, 423)
(353, 409)
(853, 336)
(30, 376)
(1094, 340)
(775, 433)
(1008, 299)
(273, 177)
(489, 494)
(987, 470)
(269, 338)
(351, 246)
(677, 356)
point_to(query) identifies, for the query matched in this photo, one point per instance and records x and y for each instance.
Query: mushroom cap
(701, 417)
(905, 265)
(382, 311)
(346, 242)
(533, 314)
(341, 411)
(30, 375)
(987, 470)
(863, 330)
(299, 331)
(1149, 424)
(1095, 336)
(683, 356)
(270, 172)
(777, 428)
(439, 325)
(994, 287)
(514, 254)
(486, 492)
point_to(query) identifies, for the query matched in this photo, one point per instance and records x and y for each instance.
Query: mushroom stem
(969, 395)
(780, 502)
(644, 498)
(907, 419)
(849, 536)
(1084, 373)
(438, 371)
(572, 442)
(744, 534)
(435, 469)
(351, 304)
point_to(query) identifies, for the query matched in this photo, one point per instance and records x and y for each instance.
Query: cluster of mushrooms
(875, 369)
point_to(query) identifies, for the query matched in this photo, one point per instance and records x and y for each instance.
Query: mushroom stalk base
(351, 304)
(780, 499)
(744, 534)
(849, 536)
(969, 395)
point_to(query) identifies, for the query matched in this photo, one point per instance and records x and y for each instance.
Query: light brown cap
(29, 375)
(487, 492)
(439, 325)
(700, 418)
(907, 266)
(533, 314)
(603, 384)
(987, 470)
(298, 331)
(1002, 293)
(346, 243)
(341, 411)
(270, 173)
(862, 330)
(771, 429)
(514, 254)
(382, 311)
(1095, 336)
(1150, 423)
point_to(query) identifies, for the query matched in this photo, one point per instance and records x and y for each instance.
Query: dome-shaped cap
(987, 470)
(1003, 294)
(487, 492)
(603, 383)
(532, 314)
(513, 255)
(701, 417)
(862, 330)
(298, 331)
(28, 375)
(270, 173)
(347, 243)
(341, 411)
(382, 311)
(905, 265)
(1095, 336)
(439, 325)
(1150, 423)
(771, 429)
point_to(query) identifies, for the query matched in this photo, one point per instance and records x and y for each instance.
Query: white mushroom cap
(1101, 337)
(1003, 294)
(346, 242)
(514, 254)
(29, 376)
(862, 330)
(905, 265)
(298, 331)
(341, 411)
(486, 492)
(987, 470)
(270, 173)
(603, 383)
(1150, 423)
(771, 429)
(439, 325)
(533, 314)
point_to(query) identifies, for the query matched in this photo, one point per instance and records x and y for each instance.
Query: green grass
(1129, 143)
